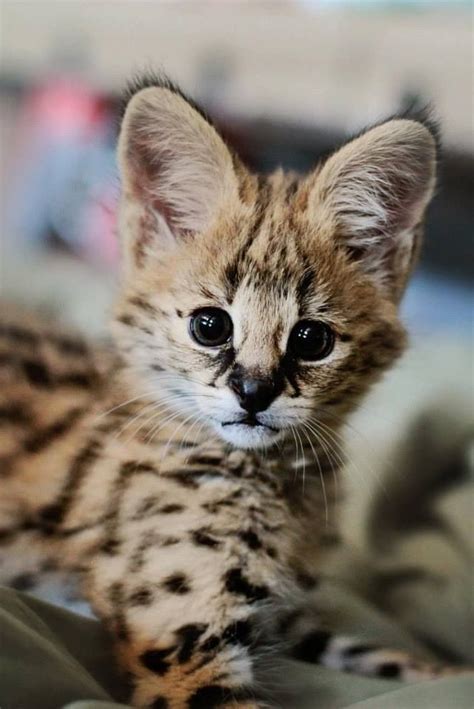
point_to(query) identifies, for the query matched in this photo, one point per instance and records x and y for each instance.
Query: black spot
(358, 650)
(144, 329)
(141, 597)
(154, 660)
(238, 632)
(22, 582)
(189, 635)
(202, 538)
(15, 414)
(118, 622)
(169, 541)
(144, 305)
(251, 539)
(210, 643)
(170, 509)
(177, 583)
(83, 380)
(146, 507)
(272, 552)
(159, 703)
(110, 547)
(345, 337)
(66, 532)
(312, 646)
(6, 535)
(44, 437)
(37, 373)
(127, 320)
(209, 697)
(235, 582)
(51, 514)
(69, 345)
(132, 467)
(199, 459)
(389, 669)
(20, 334)
(306, 581)
(185, 478)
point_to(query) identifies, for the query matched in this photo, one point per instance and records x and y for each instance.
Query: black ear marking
(424, 114)
(149, 79)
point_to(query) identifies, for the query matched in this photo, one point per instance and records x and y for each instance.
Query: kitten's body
(194, 548)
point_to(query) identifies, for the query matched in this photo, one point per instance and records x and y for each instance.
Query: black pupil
(211, 326)
(310, 339)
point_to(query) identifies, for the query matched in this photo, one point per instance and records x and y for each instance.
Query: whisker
(340, 460)
(156, 408)
(165, 451)
(161, 424)
(367, 444)
(303, 458)
(124, 403)
(347, 467)
(321, 476)
(292, 429)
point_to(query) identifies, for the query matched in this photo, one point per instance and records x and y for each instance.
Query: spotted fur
(131, 469)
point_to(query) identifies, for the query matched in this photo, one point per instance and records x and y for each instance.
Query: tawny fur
(194, 547)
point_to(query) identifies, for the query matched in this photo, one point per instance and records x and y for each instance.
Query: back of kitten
(252, 308)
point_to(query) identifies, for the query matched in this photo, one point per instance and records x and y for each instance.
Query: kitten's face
(260, 329)
(258, 318)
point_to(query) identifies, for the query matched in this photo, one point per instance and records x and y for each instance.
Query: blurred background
(286, 81)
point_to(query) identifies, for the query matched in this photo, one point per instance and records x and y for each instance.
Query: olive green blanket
(51, 658)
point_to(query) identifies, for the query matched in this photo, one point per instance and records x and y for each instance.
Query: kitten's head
(260, 303)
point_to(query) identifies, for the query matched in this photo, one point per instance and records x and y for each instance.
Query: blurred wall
(317, 63)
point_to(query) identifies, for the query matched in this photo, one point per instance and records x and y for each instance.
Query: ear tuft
(159, 80)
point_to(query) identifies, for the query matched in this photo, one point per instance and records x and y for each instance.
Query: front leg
(187, 562)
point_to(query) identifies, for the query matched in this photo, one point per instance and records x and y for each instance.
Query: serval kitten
(254, 310)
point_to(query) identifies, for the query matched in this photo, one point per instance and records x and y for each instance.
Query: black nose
(254, 394)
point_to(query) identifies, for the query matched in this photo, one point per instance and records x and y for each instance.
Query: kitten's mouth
(250, 421)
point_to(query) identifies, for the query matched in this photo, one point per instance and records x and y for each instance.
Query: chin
(241, 435)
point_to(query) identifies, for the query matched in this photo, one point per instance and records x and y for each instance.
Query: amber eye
(211, 327)
(311, 340)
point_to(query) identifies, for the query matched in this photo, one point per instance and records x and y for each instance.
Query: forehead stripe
(305, 285)
(233, 270)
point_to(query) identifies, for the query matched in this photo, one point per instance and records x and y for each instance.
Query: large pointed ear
(176, 171)
(373, 193)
